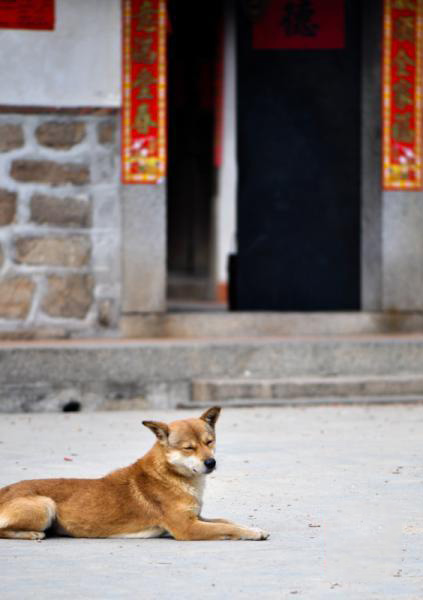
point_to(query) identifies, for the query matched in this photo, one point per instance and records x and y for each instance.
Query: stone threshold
(221, 324)
(211, 341)
(208, 325)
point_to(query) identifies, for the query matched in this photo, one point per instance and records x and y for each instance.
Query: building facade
(274, 160)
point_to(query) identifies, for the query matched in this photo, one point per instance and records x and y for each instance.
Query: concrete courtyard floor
(339, 488)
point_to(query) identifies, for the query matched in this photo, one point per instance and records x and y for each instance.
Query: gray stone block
(403, 251)
(144, 248)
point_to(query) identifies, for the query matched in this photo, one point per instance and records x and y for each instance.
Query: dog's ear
(160, 430)
(211, 415)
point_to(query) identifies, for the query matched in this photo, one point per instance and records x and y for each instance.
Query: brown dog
(159, 493)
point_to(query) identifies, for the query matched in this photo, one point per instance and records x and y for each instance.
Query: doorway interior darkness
(299, 145)
(193, 52)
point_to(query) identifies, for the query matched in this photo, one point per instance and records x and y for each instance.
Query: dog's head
(188, 445)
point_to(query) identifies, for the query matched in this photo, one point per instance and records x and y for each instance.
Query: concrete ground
(339, 488)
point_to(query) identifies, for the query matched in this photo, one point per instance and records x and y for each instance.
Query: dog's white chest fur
(145, 533)
(195, 488)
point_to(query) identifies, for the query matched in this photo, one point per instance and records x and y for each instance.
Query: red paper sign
(301, 25)
(27, 14)
(144, 91)
(402, 95)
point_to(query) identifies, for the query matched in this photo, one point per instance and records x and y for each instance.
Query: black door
(299, 174)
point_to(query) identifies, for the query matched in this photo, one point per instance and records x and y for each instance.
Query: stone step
(307, 390)
(103, 374)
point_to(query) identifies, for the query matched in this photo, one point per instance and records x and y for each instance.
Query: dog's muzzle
(210, 464)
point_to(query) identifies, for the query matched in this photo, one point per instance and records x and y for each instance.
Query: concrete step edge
(208, 391)
(309, 401)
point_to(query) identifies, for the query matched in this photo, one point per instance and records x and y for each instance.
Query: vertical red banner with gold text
(402, 95)
(144, 91)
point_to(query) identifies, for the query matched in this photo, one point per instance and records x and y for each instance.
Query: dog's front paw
(254, 533)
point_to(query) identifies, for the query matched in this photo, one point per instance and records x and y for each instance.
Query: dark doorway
(193, 55)
(299, 173)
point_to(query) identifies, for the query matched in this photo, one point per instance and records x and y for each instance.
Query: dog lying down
(160, 493)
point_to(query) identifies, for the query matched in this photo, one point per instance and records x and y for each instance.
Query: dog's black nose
(210, 463)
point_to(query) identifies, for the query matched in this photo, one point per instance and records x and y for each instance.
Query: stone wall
(60, 230)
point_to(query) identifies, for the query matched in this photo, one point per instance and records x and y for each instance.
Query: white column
(225, 214)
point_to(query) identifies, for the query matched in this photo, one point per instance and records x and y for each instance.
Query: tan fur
(161, 492)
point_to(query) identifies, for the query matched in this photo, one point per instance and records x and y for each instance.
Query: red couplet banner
(144, 91)
(402, 95)
(27, 14)
(300, 25)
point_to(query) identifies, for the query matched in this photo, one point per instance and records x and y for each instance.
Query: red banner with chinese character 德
(144, 91)
(22, 14)
(300, 25)
(402, 95)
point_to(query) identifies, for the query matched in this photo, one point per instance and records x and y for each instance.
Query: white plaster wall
(77, 64)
